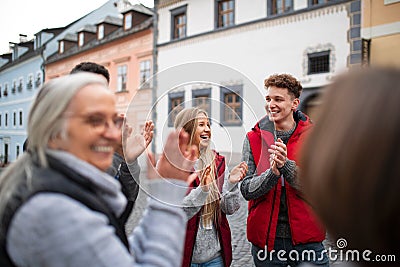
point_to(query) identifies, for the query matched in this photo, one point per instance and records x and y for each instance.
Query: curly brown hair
(284, 81)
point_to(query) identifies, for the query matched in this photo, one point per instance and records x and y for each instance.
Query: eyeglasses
(100, 123)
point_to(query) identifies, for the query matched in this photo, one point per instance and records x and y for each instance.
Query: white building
(228, 48)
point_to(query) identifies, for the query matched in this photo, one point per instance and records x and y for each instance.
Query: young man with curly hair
(281, 226)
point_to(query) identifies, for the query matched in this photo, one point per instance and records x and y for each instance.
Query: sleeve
(254, 186)
(129, 178)
(193, 202)
(230, 201)
(290, 171)
(54, 230)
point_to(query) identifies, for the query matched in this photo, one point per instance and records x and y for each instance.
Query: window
(225, 13)
(14, 118)
(231, 105)
(201, 98)
(100, 33)
(277, 7)
(121, 83)
(145, 69)
(14, 86)
(61, 47)
(318, 62)
(21, 84)
(175, 105)
(20, 118)
(1, 90)
(128, 21)
(81, 39)
(1, 117)
(5, 93)
(179, 20)
(6, 120)
(38, 81)
(317, 2)
(29, 83)
(17, 150)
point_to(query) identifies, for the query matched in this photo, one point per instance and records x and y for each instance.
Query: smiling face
(202, 133)
(280, 107)
(92, 126)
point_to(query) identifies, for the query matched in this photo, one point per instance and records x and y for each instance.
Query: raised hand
(135, 145)
(238, 172)
(177, 160)
(278, 156)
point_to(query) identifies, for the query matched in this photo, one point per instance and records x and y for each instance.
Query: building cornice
(292, 17)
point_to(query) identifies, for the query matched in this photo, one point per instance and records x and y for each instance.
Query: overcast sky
(31, 16)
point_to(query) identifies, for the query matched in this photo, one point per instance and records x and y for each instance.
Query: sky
(31, 16)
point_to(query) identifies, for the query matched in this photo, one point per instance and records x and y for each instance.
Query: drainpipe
(155, 70)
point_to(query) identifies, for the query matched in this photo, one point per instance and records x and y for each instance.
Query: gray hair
(46, 121)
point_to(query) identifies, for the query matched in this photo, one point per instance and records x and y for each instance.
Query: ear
(295, 103)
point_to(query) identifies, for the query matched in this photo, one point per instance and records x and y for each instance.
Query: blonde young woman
(214, 195)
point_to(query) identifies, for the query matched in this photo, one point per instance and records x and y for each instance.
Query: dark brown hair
(285, 81)
(351, 160)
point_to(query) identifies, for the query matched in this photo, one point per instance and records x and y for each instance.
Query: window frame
(315, 55)
(122, 78)
(218, 22)
(196, 93)
(100, 32)
(173, 96)
(146, 71)
(225, 90)
(128, 23)
(175, 13)
(274, 3)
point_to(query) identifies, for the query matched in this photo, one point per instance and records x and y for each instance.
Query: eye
(95, 121)
(268, 99)
(118, 122)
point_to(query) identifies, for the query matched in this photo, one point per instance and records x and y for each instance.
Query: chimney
(23, 38)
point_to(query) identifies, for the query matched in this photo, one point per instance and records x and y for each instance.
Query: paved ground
(237, 221)
(240, 245)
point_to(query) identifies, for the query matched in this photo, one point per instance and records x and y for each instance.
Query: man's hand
(278, 156)
(135, 145)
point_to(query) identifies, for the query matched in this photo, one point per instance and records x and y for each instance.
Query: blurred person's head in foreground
(351, 161)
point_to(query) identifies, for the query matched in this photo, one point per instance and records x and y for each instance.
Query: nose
(112, 132)
(207, 128)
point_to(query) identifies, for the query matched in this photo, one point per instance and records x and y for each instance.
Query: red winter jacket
(223, 230)
(263, 211)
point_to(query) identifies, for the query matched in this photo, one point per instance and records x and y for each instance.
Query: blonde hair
(188, 120)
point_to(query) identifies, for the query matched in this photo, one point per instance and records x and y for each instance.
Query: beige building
(380, 32)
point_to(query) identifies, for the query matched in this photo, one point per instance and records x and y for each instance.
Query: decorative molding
(255, 25)
(316, 49)
(165, 3)
(122, 59)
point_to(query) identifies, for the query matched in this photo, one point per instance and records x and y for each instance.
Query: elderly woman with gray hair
(57, 205)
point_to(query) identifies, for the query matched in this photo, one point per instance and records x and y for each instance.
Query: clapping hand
(278, 156)
(238, 172)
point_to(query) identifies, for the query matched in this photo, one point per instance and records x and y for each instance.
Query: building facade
(22, 73)
(381, 32)
(123, 45)
(220, 51)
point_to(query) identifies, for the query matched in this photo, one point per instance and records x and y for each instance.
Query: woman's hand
(238, 172)
(177, 160)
